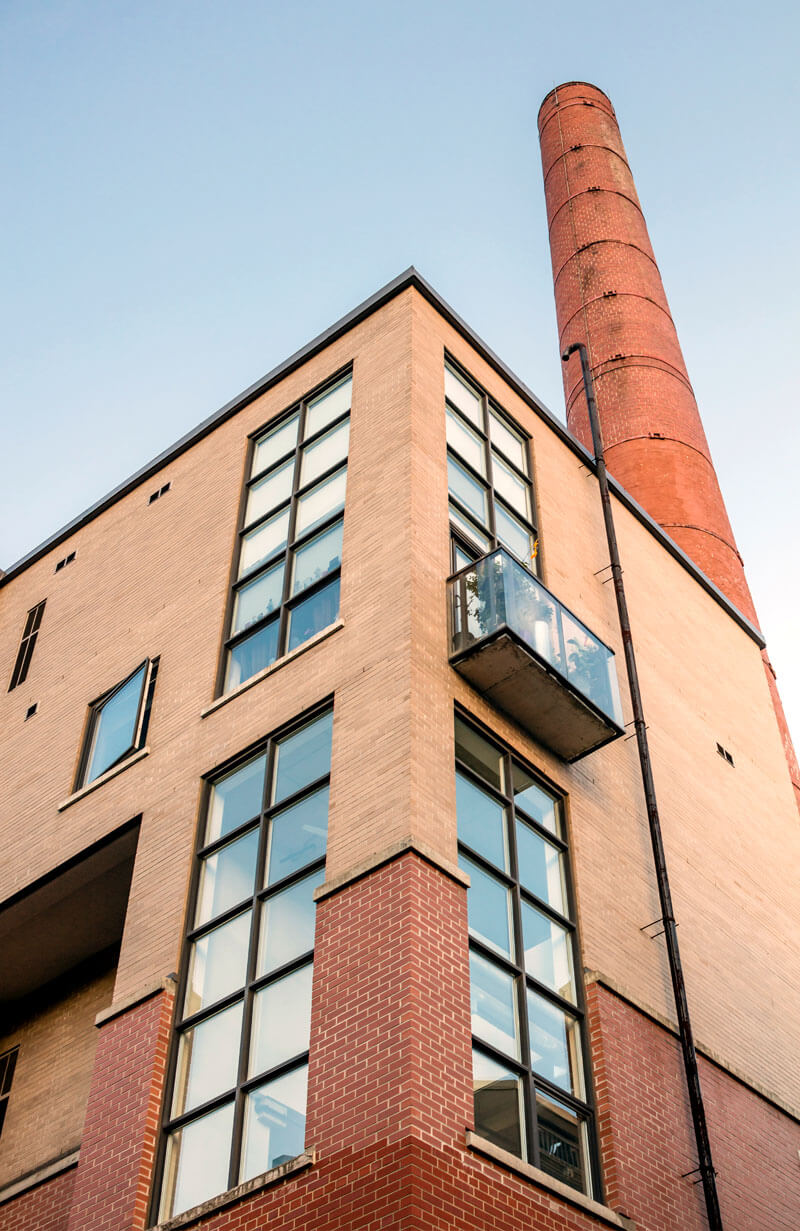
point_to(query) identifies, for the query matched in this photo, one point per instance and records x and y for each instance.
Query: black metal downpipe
(706, 1168)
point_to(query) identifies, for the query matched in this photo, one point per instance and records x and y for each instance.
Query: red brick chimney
(609, 295)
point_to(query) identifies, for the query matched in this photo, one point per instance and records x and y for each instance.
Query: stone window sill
(106, 777)
(322, 635)
(259, 1182)
(611, 1219)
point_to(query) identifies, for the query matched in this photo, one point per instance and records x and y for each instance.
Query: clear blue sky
(195, 189)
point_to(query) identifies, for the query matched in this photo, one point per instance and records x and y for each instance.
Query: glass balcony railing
(528, 653)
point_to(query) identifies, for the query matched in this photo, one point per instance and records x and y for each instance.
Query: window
(488, 470)
(63, 563)
(118, 723)
(290, 541)
(27, 644)
(531, 1092)
(237, 1098)
(8, 1062)
(156, 495)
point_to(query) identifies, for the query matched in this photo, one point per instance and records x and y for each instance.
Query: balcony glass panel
(498, 592)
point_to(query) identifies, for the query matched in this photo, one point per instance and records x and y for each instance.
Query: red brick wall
(121, 1124)
(44, 1208)
(648, 1141)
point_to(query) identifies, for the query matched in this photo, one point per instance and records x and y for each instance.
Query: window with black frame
(118, 721)
(531, 1091)
(236, 1097)
(290, 541)
(489, 476)
(27, 645)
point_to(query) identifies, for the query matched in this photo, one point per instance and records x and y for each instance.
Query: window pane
(287, 924)
(275, 444)
(252, 655)
(281, 1020)
(470, 531)
(541, 869)
(494, 1014)
(236, 798)
(263, 542)
(479, 754)
(196, 1166)
(462, 557)
(217, 964)
(505, 438)
(555, 1044)
(468, 490)
(114, 726)
(269, 492)
(329, 406)
(322, 555)
(462, 396)
(321, 501)
(313, 614)
(324, 453)
(489, 908)
(511, 487)
(274, 1123)
(513, 535)
(466, 443)
(208, 1059)
(227, 877)
(303, 756)
(498, 1104)
(297, 836)
(548, 952)
(481, 822)
(562, 1143)
(258, 598)
(533, 799)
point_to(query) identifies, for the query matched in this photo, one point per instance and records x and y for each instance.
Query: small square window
(118, 723)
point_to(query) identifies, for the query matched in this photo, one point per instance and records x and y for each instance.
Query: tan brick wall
(56, 1036)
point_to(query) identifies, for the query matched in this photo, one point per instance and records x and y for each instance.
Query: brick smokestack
(609, 295)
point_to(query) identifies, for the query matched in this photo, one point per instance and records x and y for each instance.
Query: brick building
(327, 897)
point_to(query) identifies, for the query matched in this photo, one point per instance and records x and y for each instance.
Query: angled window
(236, 1103)
(488, 471)
(286, 587)
(27, 644)
(117, 724)
(8, 1062)
(532, 1096)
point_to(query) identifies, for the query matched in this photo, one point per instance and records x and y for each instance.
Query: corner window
(27, 644)
(237, 1102)
(118, 723)
(532, 1096)
(290, 541)
(488, 470)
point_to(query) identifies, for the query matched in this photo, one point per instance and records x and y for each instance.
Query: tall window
(27, 644)
(118, 723)
(488, 470)
(290, 541)
(237, 1096)
(531, 1092)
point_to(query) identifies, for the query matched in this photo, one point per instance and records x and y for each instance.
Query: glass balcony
(520, 647)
